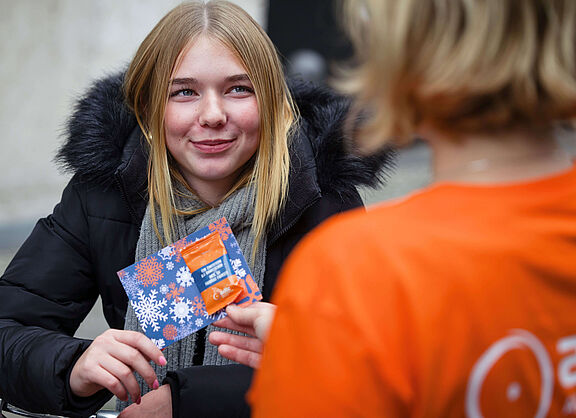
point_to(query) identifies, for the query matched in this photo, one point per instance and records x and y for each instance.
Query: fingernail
(155, 385)
(162, 361)
(138, 400)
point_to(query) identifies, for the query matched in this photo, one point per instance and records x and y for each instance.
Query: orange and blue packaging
(210, 265)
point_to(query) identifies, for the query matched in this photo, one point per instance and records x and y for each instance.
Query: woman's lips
(213, 145)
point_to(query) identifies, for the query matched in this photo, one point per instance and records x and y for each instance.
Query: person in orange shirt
(460, 299)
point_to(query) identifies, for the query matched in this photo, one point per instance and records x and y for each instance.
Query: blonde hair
(465, 66)
(147, 89)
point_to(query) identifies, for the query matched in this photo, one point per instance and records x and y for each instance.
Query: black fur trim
(97, 132)
(338, 165)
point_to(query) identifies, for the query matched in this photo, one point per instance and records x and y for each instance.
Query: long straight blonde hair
(147, 89)
(465, 66)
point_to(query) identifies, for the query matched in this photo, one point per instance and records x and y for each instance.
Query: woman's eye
(241, 89)
(182, 93)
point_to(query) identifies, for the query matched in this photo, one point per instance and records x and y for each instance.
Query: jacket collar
(303, 190)
(131, 175)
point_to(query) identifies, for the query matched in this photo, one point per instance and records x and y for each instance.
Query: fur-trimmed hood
(101, 125)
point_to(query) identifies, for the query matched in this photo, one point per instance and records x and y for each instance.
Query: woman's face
(211, 120)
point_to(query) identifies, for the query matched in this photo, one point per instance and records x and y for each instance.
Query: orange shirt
(458, 300)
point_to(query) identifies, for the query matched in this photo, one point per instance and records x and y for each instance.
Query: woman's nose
(211, 111)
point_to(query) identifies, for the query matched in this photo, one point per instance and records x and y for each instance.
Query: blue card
(163, 292)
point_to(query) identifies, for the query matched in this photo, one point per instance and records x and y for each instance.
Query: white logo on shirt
(521, 339)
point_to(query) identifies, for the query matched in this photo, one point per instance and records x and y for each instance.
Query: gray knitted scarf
(239, 211)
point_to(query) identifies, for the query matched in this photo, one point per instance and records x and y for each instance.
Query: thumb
(258, 316)
(243, 316)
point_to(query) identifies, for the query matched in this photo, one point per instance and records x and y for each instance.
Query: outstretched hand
(110, 362)
(254, 320)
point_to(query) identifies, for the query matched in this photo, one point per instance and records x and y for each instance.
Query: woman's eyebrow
(238, 77)
(186, 80)
(192, 80)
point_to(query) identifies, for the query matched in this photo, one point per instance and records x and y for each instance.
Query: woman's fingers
(253, 320)
(119, 379)
(258, 316)
(88, 377)
(142, 343)
(110, 362)
(248, 358)
(238, 341)
(228, 323)
(244, 350)
(136, 351)
(105, 379)
(248, 315)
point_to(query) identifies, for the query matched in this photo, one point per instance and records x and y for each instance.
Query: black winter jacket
(72, 256)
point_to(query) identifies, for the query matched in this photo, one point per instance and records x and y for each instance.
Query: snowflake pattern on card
(184, 277)
(163, 294)
(181, 310)
(149, 310)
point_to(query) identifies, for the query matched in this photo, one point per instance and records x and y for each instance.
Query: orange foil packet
(208, 261)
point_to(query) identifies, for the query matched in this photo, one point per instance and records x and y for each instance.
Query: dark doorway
(307, 36)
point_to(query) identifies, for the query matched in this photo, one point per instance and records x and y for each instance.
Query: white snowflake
(166, 253)
(164, 289)
(237, 267)
(131, 286)
(169, 265)
(160, 343)
(236, 263)
(184, 277)
(148, 310)
(186, 329)
(182, 310)
(199, 322)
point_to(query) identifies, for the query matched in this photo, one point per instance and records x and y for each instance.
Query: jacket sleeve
(210, 391)
(45, 293)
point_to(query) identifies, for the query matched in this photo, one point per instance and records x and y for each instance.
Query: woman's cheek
(178, 119)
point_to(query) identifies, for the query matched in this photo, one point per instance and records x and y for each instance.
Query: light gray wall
(50, 50)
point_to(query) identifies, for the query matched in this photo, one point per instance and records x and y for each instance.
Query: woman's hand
(156, 404)
(253, 320)
(110, 363)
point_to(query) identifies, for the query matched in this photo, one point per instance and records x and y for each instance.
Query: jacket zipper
(125, 197)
